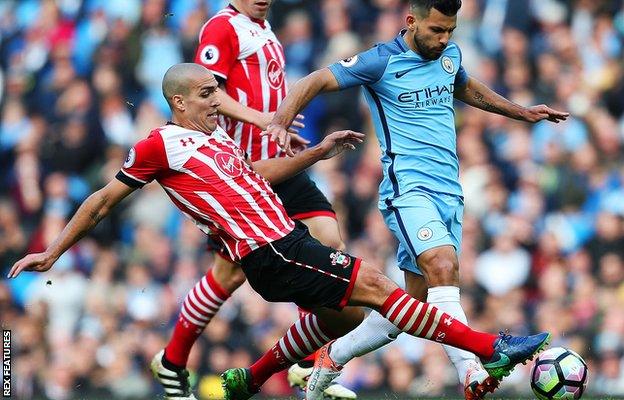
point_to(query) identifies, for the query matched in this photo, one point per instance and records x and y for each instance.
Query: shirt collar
(400, 41)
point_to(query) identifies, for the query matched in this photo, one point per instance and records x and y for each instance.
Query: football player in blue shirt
(410, 84)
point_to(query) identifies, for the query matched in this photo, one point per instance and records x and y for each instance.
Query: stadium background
(543, 241)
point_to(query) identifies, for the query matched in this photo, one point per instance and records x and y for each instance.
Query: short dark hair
(446, 7)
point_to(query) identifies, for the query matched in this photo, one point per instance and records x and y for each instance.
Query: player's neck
(241, 10)
(191, 125)
(408, 37)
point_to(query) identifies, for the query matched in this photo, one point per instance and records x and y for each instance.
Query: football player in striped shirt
(213, 182)
(239, 47)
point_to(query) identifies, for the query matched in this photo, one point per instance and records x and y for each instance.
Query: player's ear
(178, 102)
(410, 22)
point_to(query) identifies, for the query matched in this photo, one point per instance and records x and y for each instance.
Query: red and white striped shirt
(246, 53)
(208, 179)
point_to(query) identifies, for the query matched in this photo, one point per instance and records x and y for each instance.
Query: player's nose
(444, 39)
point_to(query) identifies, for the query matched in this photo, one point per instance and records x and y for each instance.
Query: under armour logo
(254, 33)
(448, 320)
(187, 141)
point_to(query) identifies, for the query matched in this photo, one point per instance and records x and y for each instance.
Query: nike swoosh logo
(401, 73)
(503, 361)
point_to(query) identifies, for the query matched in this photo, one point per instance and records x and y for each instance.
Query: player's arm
(91, 211)
(298, 97)
(477, 94)
(363, 69)
(276, 170)
(235, 110)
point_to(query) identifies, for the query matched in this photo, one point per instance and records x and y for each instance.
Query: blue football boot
(510, 351)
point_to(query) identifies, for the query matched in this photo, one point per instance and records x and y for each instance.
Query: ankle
(254, 385)
(170, 365)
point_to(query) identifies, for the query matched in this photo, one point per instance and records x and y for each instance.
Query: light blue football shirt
(411, 101)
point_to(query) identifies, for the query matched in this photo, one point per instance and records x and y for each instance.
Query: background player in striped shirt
(410, 84)
(239, 47)
(212, 181)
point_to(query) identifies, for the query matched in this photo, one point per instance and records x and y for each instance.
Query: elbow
(317, 81)
(267, 173)
(273, 179)
(326, 79)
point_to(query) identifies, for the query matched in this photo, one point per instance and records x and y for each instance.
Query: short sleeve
(363, 69)
(144, 162)
(461, 78)
(218, 47)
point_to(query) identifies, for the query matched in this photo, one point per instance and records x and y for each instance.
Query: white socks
(446, 298)
(374, 332)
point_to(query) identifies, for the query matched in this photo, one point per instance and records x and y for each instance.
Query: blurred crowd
(543, 244)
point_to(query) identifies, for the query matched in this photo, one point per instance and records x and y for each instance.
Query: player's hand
(39, 262)
(297, 143)
(280, 135)
(542, 112)
(264, 120)
(336, 142)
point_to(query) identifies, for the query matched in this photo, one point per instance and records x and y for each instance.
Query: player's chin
(434, 55)
(262, 9)
(212, 120)
(212, 125)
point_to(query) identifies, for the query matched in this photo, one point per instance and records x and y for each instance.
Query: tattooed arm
(478, 95)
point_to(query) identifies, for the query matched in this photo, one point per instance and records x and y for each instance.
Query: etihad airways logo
(428, 93)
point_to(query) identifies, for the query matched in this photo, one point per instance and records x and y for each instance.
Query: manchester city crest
(447, 64)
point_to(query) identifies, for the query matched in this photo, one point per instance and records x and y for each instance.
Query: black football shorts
(299, 269)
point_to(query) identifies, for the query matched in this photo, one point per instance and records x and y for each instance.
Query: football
(559, 373)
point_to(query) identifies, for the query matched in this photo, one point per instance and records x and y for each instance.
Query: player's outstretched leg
(325, 229)
(499, 354)
(299, 373)
(303, 338)
(373, 333)
(201, 304)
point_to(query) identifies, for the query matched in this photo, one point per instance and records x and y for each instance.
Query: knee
(372, 280)
(236, 279)
(372, 286)
(229, 275)
(440, 269)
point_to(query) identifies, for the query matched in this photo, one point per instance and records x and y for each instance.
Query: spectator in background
(505, 260)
